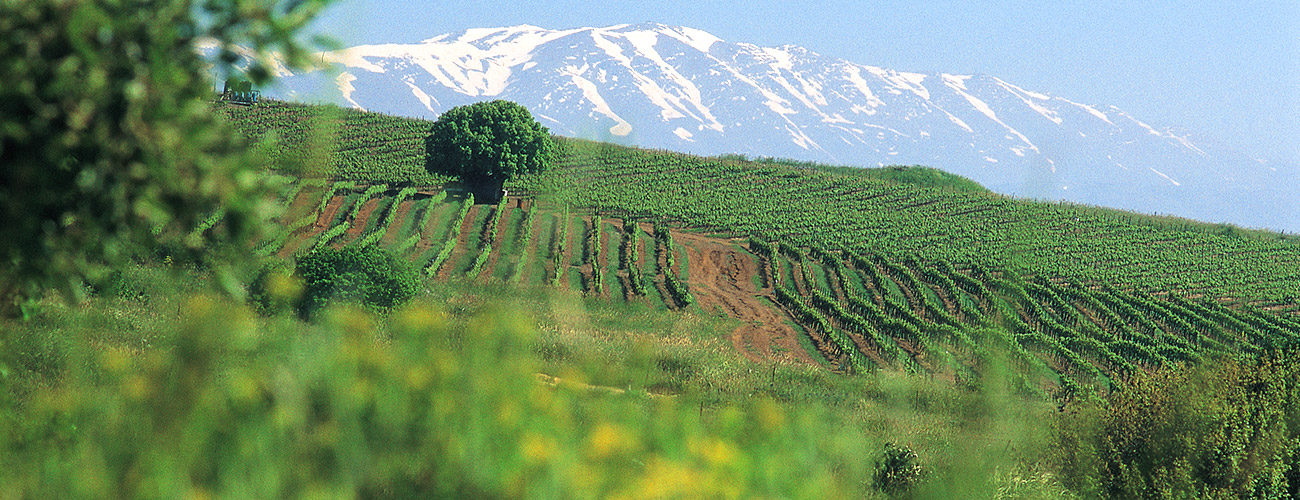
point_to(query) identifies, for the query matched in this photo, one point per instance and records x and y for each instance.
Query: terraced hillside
(450, 237)
(846, 270)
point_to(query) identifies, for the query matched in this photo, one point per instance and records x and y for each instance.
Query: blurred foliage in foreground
(236, 407)
(144, 392)
(1226, 430)
(153, 391)
(107, 144)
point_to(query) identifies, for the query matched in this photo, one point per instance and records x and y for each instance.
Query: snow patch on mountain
(697, 39)
(345, 84)
(1162, 174)
(592, 94)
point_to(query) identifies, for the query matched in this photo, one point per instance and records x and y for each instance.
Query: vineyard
(855, 311)
(847, 271)
(868, 311)
(816, 207)
(353, 145)
(811, 208)
(449, 237)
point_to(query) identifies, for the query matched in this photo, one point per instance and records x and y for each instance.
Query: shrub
(370, 275)
(107, 146)
(1230, 429)
(898, 470)
(275, 289)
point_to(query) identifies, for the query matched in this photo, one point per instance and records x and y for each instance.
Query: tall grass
(474, 391)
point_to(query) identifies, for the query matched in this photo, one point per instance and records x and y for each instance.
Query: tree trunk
(486, 191)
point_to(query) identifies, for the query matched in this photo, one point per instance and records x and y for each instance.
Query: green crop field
(825, 208)
(877, 272)
(812, 208)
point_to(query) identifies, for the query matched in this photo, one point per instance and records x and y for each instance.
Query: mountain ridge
(662, 86)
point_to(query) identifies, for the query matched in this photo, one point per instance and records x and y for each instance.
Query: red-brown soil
(721, 278)
(462, 242)
(425, 243)
(331, 209)
(358, 227)
(498, 241)
(531, 253)
(302, 205)
(399, 220)
(322, 223)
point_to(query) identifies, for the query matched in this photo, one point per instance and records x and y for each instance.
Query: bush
(370, 275)
(898, 470)
(275, 290)
(107, 144)
(1229, 429)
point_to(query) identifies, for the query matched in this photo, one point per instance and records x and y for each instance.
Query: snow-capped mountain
(683, 89)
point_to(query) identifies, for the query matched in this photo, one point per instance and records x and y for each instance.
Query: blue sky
(1225, 71)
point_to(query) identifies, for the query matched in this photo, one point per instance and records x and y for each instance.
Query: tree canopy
(108, 143)
(486, 143)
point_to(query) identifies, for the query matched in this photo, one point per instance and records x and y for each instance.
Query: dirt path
(331, 209)
(462, 242)
(358, 227)
(532, 250)
(399, 221)
(302, 205)
(425, 242)
(322, 223)
(721, 278)
(499, 240)
(654, 275)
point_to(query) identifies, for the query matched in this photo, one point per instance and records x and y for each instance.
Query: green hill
(897, 268)
(837, 210)
(903, 174)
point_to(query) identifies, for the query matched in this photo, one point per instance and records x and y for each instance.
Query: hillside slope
(849, 271)
(811, 207)
(844, 310)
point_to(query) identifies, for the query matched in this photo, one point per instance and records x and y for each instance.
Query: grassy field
(565, 393)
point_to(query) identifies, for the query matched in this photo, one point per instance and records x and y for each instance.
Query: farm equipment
(240, 92)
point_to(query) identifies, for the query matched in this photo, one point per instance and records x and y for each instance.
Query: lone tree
(486, 143)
